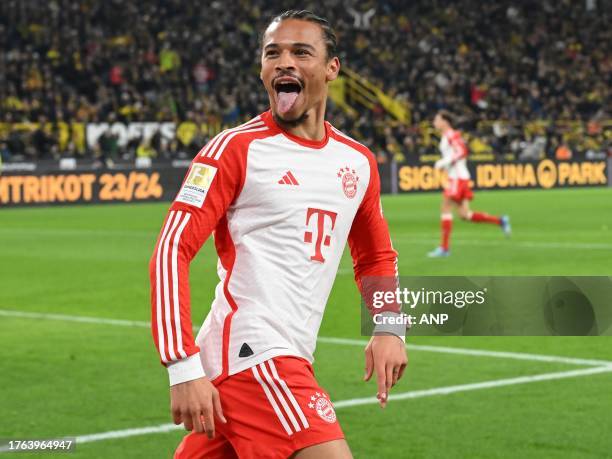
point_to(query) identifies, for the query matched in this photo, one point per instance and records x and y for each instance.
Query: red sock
(481, 217)
(447, 226)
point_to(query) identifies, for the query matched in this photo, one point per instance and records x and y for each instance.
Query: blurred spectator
(145, 150)
(5, 153)
(108, 146)
(175, 60)
(563, 152)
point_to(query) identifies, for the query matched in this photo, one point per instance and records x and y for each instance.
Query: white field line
(416, 239)
(71, 318)
(509, 242)
(502, 242)
(328, 340)
(477, 386)
(163, 428)
(61, 232)
(477, 352)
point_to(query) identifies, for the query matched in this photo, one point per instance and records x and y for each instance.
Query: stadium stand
(527, 78)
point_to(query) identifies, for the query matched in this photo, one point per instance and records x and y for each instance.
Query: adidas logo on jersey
(288, 179)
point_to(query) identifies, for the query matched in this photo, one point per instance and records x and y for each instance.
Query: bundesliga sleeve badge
(197, 184)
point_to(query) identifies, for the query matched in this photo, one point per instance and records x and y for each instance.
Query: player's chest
(289, 180)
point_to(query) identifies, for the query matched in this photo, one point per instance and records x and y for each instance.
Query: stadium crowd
(503, 67)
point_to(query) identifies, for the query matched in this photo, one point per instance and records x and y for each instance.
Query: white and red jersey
(454, 153)
(281, 210)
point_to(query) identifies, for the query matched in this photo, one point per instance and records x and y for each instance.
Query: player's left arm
(375, 267)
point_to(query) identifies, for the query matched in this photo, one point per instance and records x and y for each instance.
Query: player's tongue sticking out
(286, 101)
(286, 95)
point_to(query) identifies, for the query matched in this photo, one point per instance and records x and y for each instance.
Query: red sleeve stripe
(166, 287)
(158, 302)
(175, 287)
(171, 324)
(212, 145)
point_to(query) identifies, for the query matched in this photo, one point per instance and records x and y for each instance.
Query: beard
(290, 122)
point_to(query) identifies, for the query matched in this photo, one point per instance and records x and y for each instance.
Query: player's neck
(311, 128)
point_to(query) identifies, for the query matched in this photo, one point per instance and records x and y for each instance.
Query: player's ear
(333, 68)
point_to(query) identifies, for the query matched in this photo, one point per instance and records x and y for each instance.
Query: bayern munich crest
(324, 408)
(349, 179)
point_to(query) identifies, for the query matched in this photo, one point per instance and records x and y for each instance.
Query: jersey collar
(269, 120)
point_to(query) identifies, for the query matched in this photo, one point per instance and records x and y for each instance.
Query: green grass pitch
(63, 378)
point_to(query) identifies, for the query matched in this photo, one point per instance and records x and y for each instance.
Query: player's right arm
(210, 186)
(375, 267)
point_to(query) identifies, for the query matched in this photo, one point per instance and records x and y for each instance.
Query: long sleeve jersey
(280, 209)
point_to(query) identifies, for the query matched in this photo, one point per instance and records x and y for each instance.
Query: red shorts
(458, 190)
(272, 409)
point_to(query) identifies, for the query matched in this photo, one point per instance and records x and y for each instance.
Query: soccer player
(281, 194)
(458, 192)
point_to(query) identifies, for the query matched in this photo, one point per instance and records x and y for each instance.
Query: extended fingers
(218, 408)
(176, 416)
(197, 422)
(187, 420)
(381, 378)
(209, 422)
(400, 373)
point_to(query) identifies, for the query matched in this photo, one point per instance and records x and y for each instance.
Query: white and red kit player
(282, 194)
(457, 192)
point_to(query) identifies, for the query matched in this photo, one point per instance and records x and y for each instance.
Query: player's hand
(385, 354)
(194, 403)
